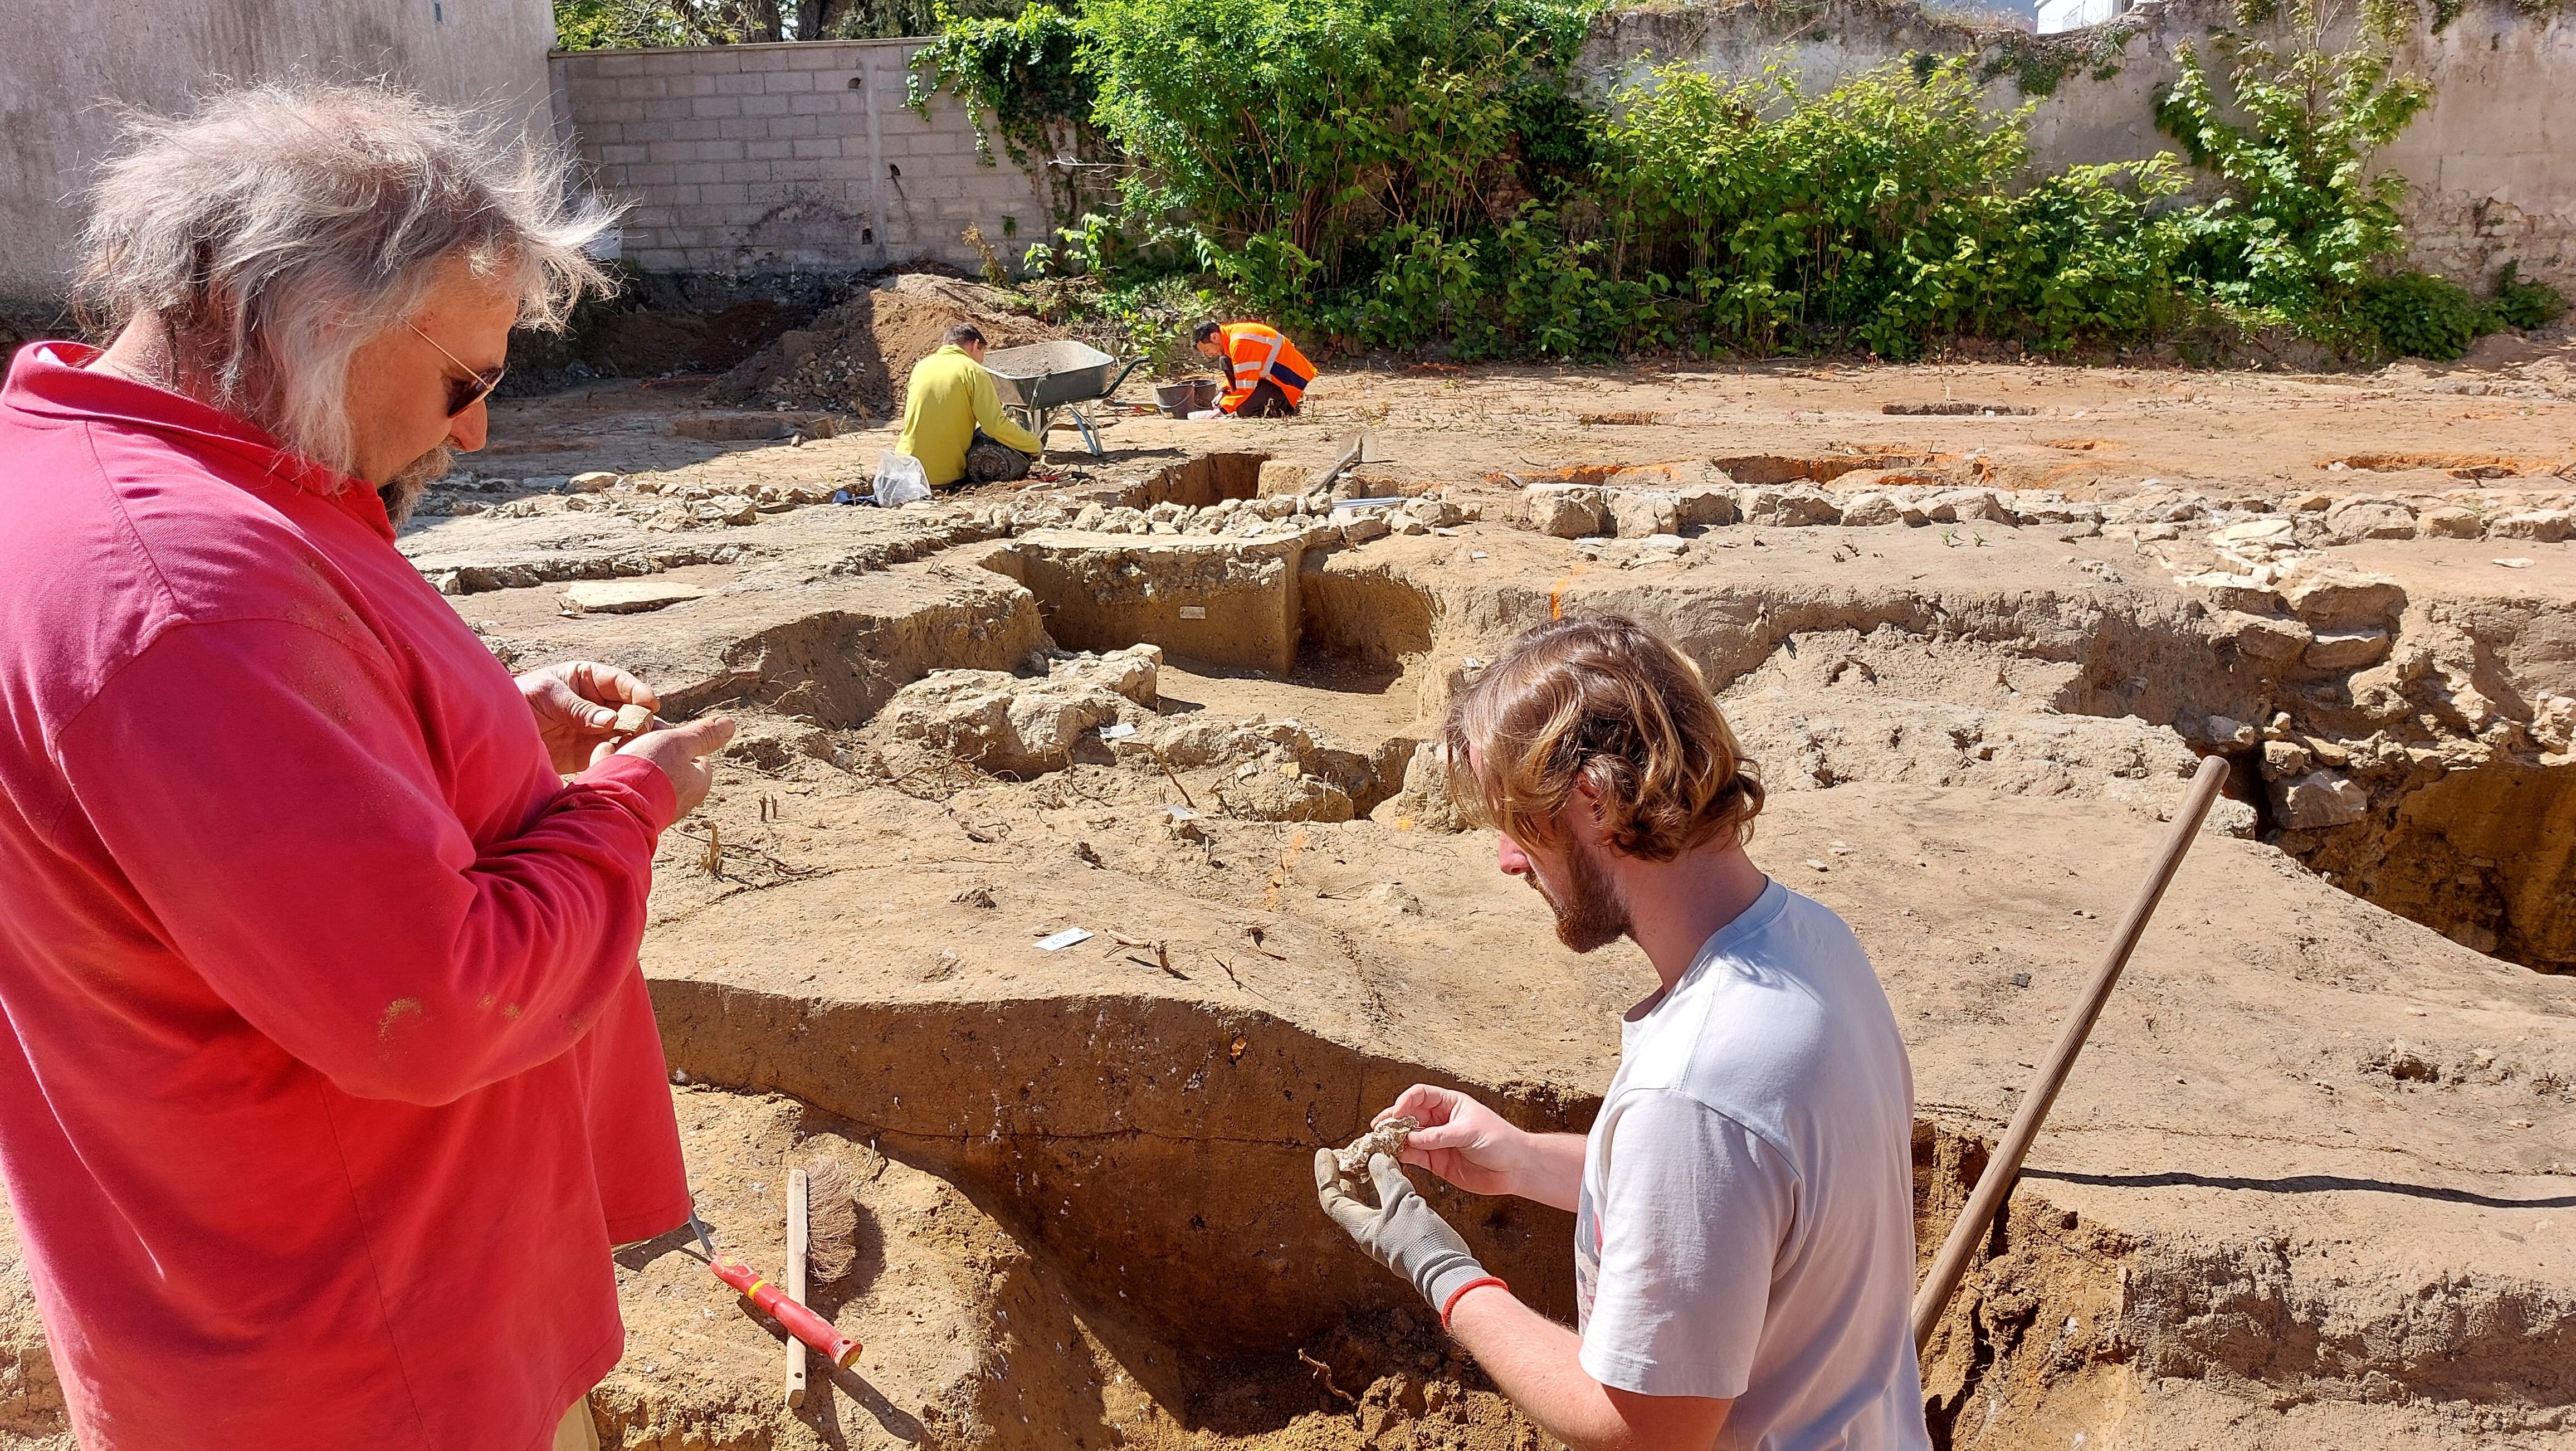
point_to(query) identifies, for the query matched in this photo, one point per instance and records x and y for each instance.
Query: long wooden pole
(2005, 1167)
(798, 1238)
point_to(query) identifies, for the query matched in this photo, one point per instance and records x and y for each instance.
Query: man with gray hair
(329, 1077)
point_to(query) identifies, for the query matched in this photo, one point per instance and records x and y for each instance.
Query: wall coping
(559, 53)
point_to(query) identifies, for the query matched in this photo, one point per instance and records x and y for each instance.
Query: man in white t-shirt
(1744, 1231)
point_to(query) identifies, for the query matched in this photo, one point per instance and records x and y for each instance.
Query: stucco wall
(67, 66)
(2491, 165)
(793, 157)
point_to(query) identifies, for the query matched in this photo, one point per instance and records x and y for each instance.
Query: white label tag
(1062, 940)
(1193, 612)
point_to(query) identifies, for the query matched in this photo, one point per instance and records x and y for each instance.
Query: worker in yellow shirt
(953, 420)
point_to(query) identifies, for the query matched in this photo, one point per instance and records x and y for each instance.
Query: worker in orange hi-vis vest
(1265, 374)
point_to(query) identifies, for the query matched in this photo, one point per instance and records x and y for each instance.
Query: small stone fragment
(1350, 1164)
(633, 720)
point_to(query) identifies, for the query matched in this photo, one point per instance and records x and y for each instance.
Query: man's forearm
(1535, 1363)
(1553, 1174)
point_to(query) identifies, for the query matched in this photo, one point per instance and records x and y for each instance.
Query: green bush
(2418, 315)
(1419, 173)
(1892, 210)
(2526, 304)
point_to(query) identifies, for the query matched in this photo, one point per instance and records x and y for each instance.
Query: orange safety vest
(1254, 351)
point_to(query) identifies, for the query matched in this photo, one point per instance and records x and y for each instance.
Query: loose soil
(856, 357)
(2310, 1183)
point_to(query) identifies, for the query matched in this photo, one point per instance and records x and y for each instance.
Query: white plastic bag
(900, 480)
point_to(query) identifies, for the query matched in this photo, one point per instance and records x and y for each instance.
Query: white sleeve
(1692, 1214)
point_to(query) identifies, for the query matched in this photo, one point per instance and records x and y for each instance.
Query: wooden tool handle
(797, 1237)
(792, 1315)
(2005, 1167)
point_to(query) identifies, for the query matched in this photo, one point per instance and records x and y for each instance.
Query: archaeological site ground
(2313, 1183)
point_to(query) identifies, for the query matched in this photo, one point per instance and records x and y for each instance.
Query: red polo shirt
(327, 1075)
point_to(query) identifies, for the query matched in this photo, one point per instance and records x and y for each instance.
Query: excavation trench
(1152, 1154)
(2480, 852)
(1897, 685)
(1156, 1155)
(1266, 604)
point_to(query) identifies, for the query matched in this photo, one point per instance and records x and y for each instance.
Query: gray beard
(403, 490)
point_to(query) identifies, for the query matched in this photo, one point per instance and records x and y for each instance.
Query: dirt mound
(857, 356)
(651, 344)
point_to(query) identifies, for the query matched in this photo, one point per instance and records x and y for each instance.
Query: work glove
(1403, 1232)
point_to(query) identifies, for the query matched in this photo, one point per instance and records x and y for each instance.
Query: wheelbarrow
(1040, 378)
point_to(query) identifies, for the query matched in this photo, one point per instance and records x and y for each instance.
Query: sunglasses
(463, 393)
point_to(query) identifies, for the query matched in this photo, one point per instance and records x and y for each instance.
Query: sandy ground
(2312, 1181)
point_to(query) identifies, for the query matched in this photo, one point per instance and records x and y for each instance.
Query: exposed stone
(2327, 595)
(2266, 533)
(2317, 800)
(1706, 506)
(2233, 592)
(627, 596)
(1272, 795)
(2553, 722)
(2228, 732)
(1361, 528)
(1966, 506)
(2260, 638)
(596, 481)
(2451, 521)
(1869, 510)
(1635, 513)
(1350, 1163)
(2346, 649)
(1134, 673)
(1790, 508)
(1023, 726)
(2283, 759)
(1565, 511)
(1424, 802)
(2047, 508)
(2544, 526)
(1438, 513)
(2367, 517)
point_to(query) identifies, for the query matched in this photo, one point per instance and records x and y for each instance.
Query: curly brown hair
(1602, 700)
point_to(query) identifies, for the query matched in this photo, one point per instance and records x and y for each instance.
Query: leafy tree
(2305, 223)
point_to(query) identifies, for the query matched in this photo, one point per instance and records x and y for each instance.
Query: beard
(1589, 914)
(409, 482)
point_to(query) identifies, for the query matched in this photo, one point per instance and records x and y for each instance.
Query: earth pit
(2310, 1182)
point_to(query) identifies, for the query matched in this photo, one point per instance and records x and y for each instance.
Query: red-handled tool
(772, 1301)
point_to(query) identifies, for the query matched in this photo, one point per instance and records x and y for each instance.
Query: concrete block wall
(68, 66)
(794, 157)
